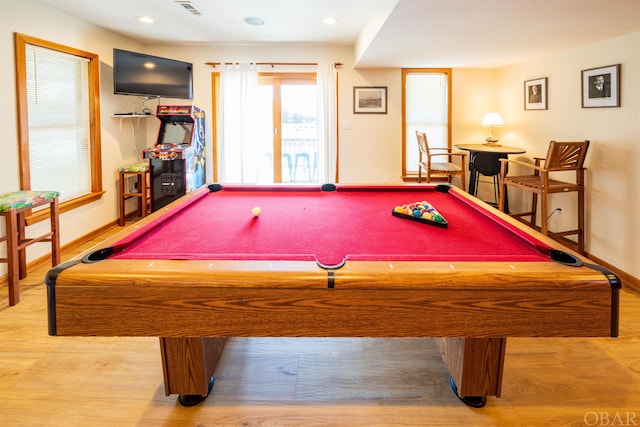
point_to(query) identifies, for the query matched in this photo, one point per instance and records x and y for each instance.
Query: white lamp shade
(492, 119)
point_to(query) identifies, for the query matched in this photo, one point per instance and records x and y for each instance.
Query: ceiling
(384, 33)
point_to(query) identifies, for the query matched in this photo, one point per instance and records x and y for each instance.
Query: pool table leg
(188, 365)
(475, 365)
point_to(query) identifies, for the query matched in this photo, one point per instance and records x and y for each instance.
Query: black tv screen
(147, 75)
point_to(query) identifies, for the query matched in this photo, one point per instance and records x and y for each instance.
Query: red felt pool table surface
(351, 223)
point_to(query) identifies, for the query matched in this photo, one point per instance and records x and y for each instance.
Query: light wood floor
(61, 381)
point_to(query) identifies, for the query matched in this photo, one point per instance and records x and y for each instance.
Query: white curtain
(240, 153)
(239, 84)
(326, 79)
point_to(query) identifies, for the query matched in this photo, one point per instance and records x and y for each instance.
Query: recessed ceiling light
(252, 20)
(146, 19)
(329, 20)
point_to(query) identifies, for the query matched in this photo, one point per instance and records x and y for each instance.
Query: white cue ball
(256, 211)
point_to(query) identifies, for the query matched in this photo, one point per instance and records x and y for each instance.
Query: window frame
(95, 155)
(405, 72)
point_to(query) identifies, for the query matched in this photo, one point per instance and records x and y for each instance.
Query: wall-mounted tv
(147, 75)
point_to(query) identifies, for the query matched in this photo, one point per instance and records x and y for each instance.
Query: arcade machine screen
(177, 133)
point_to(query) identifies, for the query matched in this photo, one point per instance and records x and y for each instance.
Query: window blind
(426, 111)
(58, 120)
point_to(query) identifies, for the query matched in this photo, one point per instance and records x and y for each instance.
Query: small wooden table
(496, 151)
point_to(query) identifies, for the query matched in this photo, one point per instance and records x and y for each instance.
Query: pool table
(331, 261)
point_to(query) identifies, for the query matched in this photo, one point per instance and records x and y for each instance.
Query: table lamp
(492, 120)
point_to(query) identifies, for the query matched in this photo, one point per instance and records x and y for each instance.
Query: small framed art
(370, 100)
(601, 87)
(535, 94)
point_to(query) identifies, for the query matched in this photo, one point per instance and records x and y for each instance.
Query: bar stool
(13, 207)
(141, 191)
(551, 175)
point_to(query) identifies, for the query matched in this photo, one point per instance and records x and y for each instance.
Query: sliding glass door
(287, 128)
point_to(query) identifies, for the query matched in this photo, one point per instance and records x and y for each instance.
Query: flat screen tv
(147, 75)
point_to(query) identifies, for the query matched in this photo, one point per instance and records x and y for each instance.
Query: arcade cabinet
(177, 160)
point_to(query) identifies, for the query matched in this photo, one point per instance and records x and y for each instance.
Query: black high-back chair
(486, 164)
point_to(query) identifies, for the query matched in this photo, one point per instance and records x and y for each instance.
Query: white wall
(370, 152)
(613, 176)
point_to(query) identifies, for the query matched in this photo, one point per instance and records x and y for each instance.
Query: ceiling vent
(187, 5)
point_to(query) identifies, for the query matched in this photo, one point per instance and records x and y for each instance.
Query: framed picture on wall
(601, 87)
(535, 94)
(370, 100)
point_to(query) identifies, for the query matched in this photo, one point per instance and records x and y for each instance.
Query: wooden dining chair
(561, 157)
(444, 167)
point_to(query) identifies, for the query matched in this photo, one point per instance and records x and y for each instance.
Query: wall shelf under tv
(131, 116)
(127, 115)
